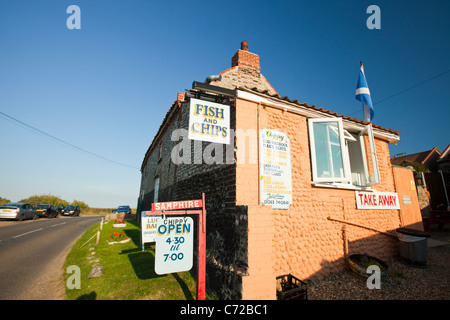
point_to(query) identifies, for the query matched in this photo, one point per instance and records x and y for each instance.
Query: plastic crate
(292, 288)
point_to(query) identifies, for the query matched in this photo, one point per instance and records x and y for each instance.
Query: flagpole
(365, 109)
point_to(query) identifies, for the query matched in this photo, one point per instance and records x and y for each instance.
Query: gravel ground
(403, 281)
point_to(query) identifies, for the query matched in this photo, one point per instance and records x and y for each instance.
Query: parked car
(46, 210)
(60, 208)
(17, 211)
(71, 210)
(123, 209)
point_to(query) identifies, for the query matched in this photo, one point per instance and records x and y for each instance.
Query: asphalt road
(32, 254)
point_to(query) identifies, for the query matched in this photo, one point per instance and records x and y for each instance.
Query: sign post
(170, 255)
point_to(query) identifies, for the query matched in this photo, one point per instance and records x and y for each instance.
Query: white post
(98, 237)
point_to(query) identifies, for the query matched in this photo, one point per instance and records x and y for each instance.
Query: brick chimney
(245, 59)
(245, 72)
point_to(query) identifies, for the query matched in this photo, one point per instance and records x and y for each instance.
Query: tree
(418, 167)
(83, 205)
(45, 199)
(4, 201)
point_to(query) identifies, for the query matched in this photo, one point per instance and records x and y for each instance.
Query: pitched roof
(245, 73)
(421, 157)
(445, 155)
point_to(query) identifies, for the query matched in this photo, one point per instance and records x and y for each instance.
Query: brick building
(287, 168)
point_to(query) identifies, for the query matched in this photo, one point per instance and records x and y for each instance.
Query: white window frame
(346, 173)
(373, 179)
(344, 137)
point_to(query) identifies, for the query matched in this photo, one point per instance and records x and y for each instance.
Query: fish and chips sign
(275, 169)
(209, 121)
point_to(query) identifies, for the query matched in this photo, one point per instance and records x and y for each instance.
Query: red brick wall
(301, 240)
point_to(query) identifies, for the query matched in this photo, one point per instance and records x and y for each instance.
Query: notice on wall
(275, 174)
(148, 227)
(377, 200)
(174, 245)
(209, 121)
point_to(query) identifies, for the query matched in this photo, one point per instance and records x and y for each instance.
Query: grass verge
(128, 271)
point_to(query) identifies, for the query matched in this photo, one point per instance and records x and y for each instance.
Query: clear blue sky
(106, 87)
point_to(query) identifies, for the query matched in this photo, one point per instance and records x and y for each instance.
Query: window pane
(336, 156)
(328, 150)
(357, 162)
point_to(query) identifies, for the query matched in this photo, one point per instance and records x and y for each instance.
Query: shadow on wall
(383, 246)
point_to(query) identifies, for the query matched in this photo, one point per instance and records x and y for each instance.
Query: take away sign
(377, 200)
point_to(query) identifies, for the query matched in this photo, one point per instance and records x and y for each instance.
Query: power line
(60, 141)
(403, 91)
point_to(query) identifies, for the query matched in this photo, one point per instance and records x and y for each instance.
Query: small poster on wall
(275, 169)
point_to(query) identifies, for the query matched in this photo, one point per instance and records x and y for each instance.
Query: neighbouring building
(427, 159)
(279, 176)
(432, 177)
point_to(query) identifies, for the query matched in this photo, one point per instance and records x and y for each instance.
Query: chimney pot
(244, 46)
(180, 96)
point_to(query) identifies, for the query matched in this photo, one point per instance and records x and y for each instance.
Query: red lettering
(176, 205)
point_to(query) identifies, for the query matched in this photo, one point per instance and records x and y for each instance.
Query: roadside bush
(45, 199)
(4, 201)
(83, 205)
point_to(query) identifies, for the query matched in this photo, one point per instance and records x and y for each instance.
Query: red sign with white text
(377, 200)
(177, 205)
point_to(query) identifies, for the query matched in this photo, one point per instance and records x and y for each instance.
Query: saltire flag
(363, 95)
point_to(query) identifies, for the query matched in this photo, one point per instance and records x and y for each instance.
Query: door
(410, 215)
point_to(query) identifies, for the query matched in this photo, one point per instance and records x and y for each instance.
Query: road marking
(54, 225)
(28, 233)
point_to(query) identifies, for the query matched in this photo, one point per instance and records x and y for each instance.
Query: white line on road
(28, 232)
(54, 225)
